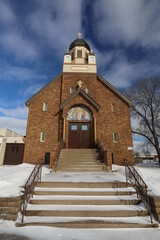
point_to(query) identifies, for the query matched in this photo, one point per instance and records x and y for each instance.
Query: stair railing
(29, 186)
(59, 148)
(138, 183)
(102, 153)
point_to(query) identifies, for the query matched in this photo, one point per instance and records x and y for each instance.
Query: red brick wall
(108, 122)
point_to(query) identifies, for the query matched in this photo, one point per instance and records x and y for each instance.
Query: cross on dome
(80, 35)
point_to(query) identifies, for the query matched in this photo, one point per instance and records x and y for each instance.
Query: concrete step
(84, 223)
(86, 213)
(80, 170)
(83, 184)
(82, 193)
(9, 210)
(81, 167)
(85, 202)
(9, 217)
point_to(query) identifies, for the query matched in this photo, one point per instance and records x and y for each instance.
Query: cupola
(79, 57)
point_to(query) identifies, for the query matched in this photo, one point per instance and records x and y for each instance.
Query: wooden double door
(79, 135)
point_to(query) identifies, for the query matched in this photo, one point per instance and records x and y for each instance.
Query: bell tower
(79, 57)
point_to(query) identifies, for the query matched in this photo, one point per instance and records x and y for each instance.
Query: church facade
(78, 106)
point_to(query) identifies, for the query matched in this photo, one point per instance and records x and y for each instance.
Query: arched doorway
(80, 127)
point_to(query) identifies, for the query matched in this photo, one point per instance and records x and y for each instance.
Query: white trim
(42, 137)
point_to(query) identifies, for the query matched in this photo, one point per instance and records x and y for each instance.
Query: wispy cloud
(128, 22)
(18, 73)
(19, 112)
(6, 14)
(55, 23)
(17, 125)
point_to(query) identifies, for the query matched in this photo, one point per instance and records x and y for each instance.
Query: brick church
(78, 106)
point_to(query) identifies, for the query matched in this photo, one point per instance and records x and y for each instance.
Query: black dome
(79, 42)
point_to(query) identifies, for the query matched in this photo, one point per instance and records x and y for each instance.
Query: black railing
(102, 156)
(59, 148)
(138, 183)
(34, 177)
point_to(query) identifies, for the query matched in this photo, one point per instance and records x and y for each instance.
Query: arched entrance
(80, 127)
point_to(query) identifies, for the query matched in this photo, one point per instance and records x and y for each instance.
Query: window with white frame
(113, 107)
(45, 105)
(115, 137)
(42, 137)
(87, 90)
(71, 90)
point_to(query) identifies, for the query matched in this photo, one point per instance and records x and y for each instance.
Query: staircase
(86, 205)
(91, 198)
(79, 160)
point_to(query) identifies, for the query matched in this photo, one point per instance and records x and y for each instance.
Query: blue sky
(34, 35)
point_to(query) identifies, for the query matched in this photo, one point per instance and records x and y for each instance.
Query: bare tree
(145, 98)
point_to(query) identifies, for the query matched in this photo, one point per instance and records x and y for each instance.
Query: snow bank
(151, 176)
(12, 178)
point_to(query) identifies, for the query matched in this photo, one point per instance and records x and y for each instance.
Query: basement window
(45, 105)
(42, 137)
(115, 137)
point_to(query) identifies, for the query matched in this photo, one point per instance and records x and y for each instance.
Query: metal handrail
(102, 152)
(139, 184)
(59, 148)
(29, 186)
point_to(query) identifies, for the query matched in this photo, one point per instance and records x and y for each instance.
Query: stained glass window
(79, 113)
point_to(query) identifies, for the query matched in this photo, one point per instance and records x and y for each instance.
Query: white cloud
(15, 124)
(32, 89)
(19, 112)
(18, 73)
(6, 14)
(129, 22)
(56, 22)
(21, 48)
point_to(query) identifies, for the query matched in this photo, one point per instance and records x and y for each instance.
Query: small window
(42, 137)
(74, 127)
(71, 90)
(86, 56)
(113, 107)
(87, 90)
(115, 137)
(79, 53)
(45, 106)
(84, 127)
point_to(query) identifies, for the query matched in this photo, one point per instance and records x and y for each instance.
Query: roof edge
(41, 90)
(114, 89)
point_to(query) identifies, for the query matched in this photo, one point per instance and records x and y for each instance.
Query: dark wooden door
(79, 135)
(14, 154)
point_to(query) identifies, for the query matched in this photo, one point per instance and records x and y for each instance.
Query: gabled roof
(80, 91)
(113, 89)
(105, 82)
(42, 89)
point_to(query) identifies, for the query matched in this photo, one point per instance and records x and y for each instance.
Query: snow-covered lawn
(12, 178)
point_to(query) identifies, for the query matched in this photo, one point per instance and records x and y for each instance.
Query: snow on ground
(12, 178)
(51, 233)
(84, 177)
(150, 174)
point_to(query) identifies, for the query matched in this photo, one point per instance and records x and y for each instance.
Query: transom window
(79, 113)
